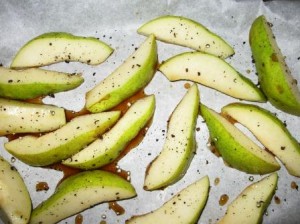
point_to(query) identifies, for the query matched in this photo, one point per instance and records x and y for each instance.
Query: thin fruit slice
(184, 207)
(274, 75)
(180, 145)
(186, 32)
(22, 117)
(15, 203)
(130, 77)
(250, 205)
(213, 72)
(270, 131)
(32, 83)
(54, 47)
(64, 142)
(112, 143)
(236, 149)
(80, 192)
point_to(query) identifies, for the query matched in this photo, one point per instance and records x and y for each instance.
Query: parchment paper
(116, 22)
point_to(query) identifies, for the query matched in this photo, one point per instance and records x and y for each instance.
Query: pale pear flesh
(180, 144)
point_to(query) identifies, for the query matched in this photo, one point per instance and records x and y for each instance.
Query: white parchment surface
(116, 22)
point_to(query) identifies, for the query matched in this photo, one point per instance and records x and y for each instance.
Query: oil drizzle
(118, 209)
(223, 199)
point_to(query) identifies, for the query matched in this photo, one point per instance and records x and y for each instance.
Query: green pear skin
(185, 207)
(79, 192)
(130, 77)
(15, 201)
(33, 83)
(275, 77)
(61, 144)
(54, 47)
(180, 144)
(236, 149)
(250, 205)
(270, 131)
(188, 33)
(213, 72)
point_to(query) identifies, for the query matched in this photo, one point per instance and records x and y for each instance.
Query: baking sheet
(116, 22)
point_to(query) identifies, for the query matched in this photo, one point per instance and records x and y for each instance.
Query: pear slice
(270, 131)
(184, 207)
(64, 142)
(186, 32)
(236, 149)
(80, 192)
(180, 145)
(32, 83)
(130, 77)
(250, 205)
(15, 202)
(112, 143)
(274, 75)
(22, 117)
(54, 47)
(213, 72)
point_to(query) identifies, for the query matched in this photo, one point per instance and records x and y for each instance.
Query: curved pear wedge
(15, 202)
(184, 207)
(106, 149)
(249, 207)
(188, 33)
(213, 72)
(22, 117)
(80, 192)
(54, 47)
(32, 83)
(180, 144)
(130, 77)
(270, 131)
(274, 75)
(64, 142)
(236, 149)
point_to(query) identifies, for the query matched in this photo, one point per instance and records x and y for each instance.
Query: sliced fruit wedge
(213, 72)
(184, 207)
(22, 117)
(32, 83)
(80, 192)
(64, 142)
(250, 205)
(129, 78)
(186, 32)
(270, 131)
(180, 144)
(15, 202)
(112, 143)
(236, 149)
(274, 75)
(54, 47)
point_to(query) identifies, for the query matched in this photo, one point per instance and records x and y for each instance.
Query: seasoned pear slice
(270, 131)
(130, 77)
(237, 150)
(174, 159)
(54, 47)
(184, 207)
(64, 142)
(15, 202)
(32, 83)
(213, 72)
(186, 32)
(80, 192)
(22, 117)
(250, 205)
(274, 75)
(111, 144)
